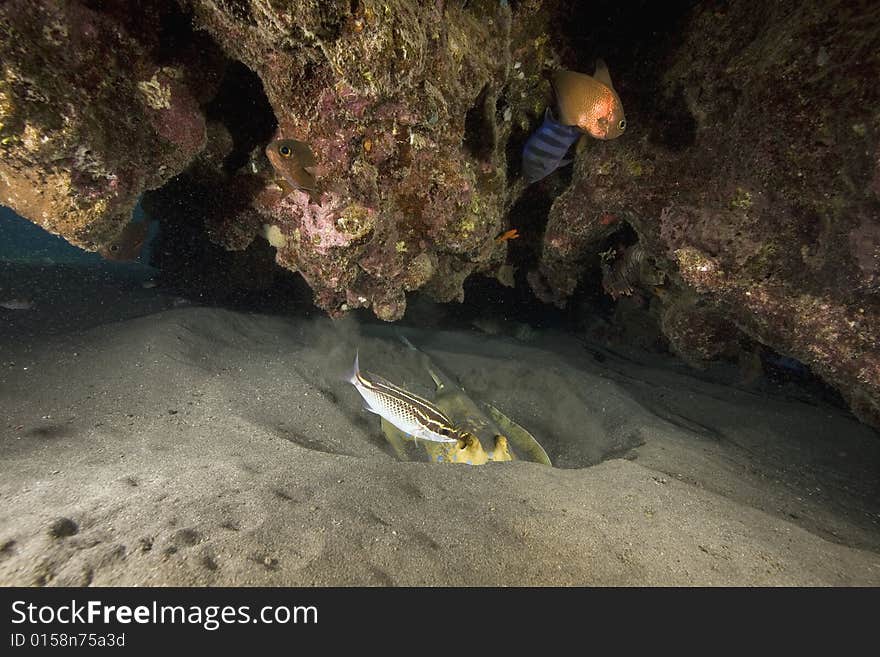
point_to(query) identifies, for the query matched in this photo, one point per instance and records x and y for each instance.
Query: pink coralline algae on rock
(324, 225)
(398, 101)
(175, 116)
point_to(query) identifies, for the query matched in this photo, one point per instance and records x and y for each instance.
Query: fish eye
(285, 151)
(622, 124)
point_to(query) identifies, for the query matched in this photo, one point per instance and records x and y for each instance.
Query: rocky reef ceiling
(742, 204)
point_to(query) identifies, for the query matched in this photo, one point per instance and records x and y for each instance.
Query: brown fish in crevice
(128, 246)
(294, 165)
(589, 102)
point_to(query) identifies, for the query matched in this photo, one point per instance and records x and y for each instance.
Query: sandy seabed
(201, 446)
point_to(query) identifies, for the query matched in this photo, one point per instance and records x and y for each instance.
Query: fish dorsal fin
(375, 378)
(602, 74)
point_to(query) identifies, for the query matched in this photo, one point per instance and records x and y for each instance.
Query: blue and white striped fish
(546, 148)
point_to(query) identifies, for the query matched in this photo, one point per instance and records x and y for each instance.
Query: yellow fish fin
(286, 187)
(502, 450)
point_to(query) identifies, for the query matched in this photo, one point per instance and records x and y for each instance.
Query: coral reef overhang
(742, 202)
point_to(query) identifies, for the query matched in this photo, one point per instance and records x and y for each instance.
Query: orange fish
(294, 164)
(589, 102)
(511, 234)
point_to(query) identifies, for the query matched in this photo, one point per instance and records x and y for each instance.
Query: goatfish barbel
(410, 413)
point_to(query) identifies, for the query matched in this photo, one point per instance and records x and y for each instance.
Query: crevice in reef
(673, 127)
(529, 216)
(486, 299)
(176, 35)
(241, 105)
(782, 370)
(635, 39)
(193, 265)
(187, 259)
(479, 126)
(513, 151)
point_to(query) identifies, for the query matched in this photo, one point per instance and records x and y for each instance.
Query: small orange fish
(589, 102)
(511, 234)
(294, 164)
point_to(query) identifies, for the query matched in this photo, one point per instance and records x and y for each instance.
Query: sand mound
(205, 447)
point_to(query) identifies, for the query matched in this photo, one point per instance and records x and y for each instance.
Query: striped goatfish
(546, 148)
(410, 413)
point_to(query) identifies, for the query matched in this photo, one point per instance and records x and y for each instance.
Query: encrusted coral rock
(397, 101)
(696, 331)
(753, 181)
(88, 118)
